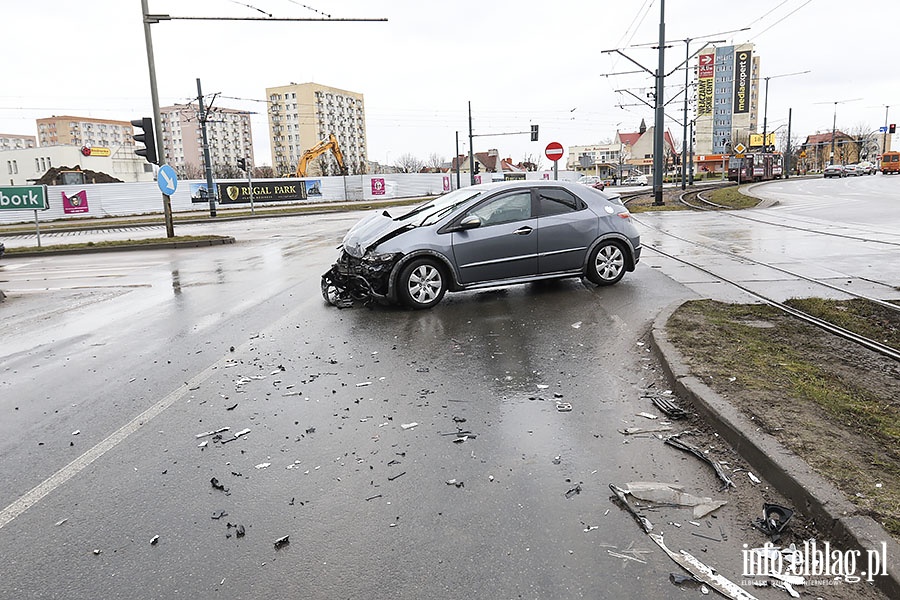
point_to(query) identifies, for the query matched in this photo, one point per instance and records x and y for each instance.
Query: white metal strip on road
(34, 495)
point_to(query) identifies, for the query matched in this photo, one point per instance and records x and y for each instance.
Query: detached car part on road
(485, 236)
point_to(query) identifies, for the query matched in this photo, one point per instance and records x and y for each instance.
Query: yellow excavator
(321, 148)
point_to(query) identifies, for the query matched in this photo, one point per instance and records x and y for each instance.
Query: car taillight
(625, 215)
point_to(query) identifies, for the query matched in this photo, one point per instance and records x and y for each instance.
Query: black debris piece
(680, 580)
(232, 407)
(282, 542)
(574, 491)
(240, 531)
(373, 497)
(718, 468)
(154, 540)
(311, 430)
(774, 521)
(668, 406)
(215, 483)
(219, 515)
(397, 476)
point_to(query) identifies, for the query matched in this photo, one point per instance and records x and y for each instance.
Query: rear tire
(607, 263)
(422, 283)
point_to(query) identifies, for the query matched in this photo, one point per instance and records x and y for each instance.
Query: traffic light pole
(157, 121)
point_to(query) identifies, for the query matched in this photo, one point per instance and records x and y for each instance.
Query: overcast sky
(518, 63)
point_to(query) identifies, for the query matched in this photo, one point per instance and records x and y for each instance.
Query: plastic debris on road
(774, 520)
(282, 542)
(716, 465)
(640, 430)
(571, 493)
(154, 540)
(669, 493)
(563, 407)
(408, 425)
(702, 572)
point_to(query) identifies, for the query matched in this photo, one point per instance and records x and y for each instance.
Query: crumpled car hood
(369, 231)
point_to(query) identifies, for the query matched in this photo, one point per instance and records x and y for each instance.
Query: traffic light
(242, 164)
(147, 138)
(534, 133)
(477, 169)
(892, 128)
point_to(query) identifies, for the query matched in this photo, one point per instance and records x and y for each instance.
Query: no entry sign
(554, 151)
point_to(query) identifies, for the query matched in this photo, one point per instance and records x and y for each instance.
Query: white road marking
(38, 492)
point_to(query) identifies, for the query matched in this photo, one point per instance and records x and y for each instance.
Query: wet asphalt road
(141, 351)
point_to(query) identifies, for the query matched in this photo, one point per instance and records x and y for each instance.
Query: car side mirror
(470, 222)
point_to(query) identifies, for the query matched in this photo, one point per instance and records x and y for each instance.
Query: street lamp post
(834, 123)
(766, 103)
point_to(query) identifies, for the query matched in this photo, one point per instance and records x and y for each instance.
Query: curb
(788, 473)
(124, 247)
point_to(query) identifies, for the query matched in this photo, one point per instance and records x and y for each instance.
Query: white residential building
(228, 133)
(302, 115)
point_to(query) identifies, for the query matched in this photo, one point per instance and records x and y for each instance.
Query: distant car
(852, 170)
(484, 236)
(592, 181)
(867, 167)
(635, 180)
(834, 171)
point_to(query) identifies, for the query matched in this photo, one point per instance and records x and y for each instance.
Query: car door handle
(523, 230)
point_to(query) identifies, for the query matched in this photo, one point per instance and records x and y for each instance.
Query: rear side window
(553, 201)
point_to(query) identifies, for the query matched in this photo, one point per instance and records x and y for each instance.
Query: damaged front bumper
(363, 279)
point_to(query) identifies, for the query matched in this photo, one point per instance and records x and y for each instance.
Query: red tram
(755, 166)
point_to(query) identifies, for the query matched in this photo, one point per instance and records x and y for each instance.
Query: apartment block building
(727, 108)
(302, 115)
(13, 141)
(67, 130)
(228, 133)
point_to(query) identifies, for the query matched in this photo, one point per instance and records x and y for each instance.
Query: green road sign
(25, 197)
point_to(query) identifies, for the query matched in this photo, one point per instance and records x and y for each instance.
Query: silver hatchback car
(483, 236)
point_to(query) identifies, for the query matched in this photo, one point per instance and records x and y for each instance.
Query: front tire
(607, 263)
(422, 283)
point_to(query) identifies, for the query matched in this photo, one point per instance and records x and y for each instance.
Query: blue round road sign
(167, 180)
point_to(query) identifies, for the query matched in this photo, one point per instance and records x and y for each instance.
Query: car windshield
(436, 209)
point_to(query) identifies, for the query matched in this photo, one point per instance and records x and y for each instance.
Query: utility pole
(210, 190)
(884, 139)
(471, 152)
(787, 149)
(157, 122)
(456, 160)
(659, 118)
(766, 104)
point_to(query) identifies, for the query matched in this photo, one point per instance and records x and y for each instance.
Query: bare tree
(864, 141)
(190, 171)
(227, 172)
(407, 163)
(263, 172)
(435, 162)
(531, 162)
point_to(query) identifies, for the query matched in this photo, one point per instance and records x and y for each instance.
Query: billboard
(705, 80)
(742, 68)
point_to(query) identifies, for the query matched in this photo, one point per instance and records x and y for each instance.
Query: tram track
(873, 345)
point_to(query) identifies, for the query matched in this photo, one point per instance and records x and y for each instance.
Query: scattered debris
(647, 415)
(702, 572)
(564, 406)
(458, 484)
(154, 540)
(398, 476)
(282, 542)
(679, 580)
(76, 432)
(639, 430)
(97, 551)
(621, 494)
(219, 515)
(215, 483)
(203, 444)
(573, 491)
(408, 425)
(626, 557)
(669, 493)
(61, 521)
(364, 384)
(373, 497)
(753, 477)
(775, 519)
(232, 407)
(668, 406)
(240, 433)
(716, 465)
(264, 465)
(461, 439)
(556, 460)
(240, 531)
(576, 325)
(208, 433)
